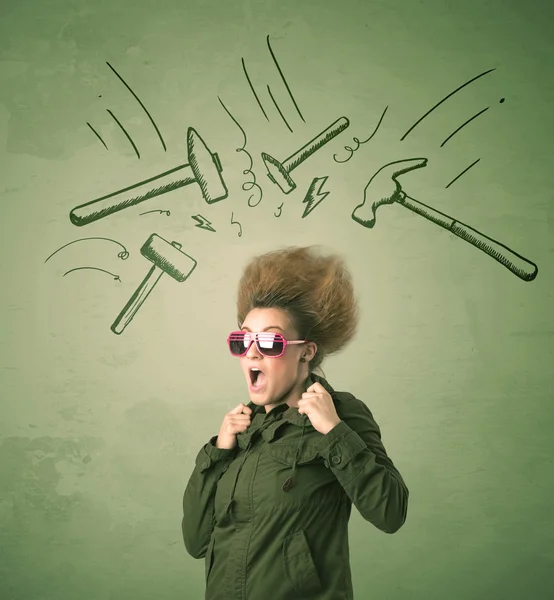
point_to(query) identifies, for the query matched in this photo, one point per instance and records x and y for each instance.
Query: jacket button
(205, 464)
(288, 484)
(335, 460)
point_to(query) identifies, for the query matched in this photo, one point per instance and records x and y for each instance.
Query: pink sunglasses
(268, 343)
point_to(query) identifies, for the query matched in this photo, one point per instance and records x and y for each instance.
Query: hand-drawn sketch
(236, 223)
(279, 172)
(204, 168)
(314, 191)
(270, 93)
(280, 209)
(410, 129)
(116, 277)
(355, 139)
(458, 129)
(167, 213)
(203, 223)
(384, 188)
(123, 255)
(462, 173)
(247, 185)
(167, 258)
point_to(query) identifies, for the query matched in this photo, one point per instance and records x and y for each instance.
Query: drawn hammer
(384, 188)
(204, 168)
(167, 258)
(279, 172)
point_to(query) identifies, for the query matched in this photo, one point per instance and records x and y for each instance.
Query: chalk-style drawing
(314, 192)
(252, 88)
(167, 213)
(123, 255)
(97, 135)
(116, 277)
(236, 223)
(204, 168)
(355, 139)
(203, 223)
(464, 171)
(278, 109)
(141, 104)
(279, 172)
(280, 209)
(247, 185)
(125, 132)
(384, 188)
(443, 100)
(167, 257)
(283, 78)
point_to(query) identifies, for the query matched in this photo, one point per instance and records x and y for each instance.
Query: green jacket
(271, 515)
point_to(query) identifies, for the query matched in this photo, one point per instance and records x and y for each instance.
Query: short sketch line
(166, 212)
(204, 168)
(166, 258)
(124, 131)
(384, 188)
(464, 124)
(247, 185)
(444, 100)
(252, 88)
(355, 139)
(464, 171)
(284, 80)
(314, 192)
(116, 277)
(280, 209)
(203, 223)
(236, 223)
(141, 104)
(278, 109)
(279, 171)
(97, 135)
(124, 255)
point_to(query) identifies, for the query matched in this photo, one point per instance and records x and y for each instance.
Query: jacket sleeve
(198, 499)
(353, 450)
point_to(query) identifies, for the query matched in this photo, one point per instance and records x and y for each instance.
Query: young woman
(270, 497)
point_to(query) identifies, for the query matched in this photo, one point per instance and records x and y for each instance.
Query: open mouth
(257, 377)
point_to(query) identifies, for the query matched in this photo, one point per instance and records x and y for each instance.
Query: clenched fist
(235, 421)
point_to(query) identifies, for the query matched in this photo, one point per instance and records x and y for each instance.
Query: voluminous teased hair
(315, 290)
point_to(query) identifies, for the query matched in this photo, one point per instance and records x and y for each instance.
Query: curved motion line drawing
(166, 212)
(279, 172)
(166, 258)
(247, 185)
(97, 135)
(384, 188)
(463, 172)
(204, 168)
(124, 255)
(141, 104)
(116, 277)
(355, 139)
(236, 223)
(125, 132)
(443, 100)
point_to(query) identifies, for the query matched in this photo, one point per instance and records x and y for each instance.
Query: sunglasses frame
(255, 338)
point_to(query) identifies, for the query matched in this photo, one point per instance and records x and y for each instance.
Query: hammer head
(168, 257)
(278, 174)
(206, 168)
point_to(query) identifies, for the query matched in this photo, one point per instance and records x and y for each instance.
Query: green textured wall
(454, 353)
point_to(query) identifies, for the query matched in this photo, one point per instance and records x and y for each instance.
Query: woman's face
(282, 378)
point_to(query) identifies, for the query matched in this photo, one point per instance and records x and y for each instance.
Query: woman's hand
(235, 421)
(319, 406)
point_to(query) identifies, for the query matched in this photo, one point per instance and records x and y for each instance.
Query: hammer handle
(136, 300)
(520, 266)
(116, 201)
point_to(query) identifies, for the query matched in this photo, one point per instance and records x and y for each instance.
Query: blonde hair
(316, 291)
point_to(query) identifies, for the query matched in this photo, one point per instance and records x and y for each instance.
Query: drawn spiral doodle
(247, 185)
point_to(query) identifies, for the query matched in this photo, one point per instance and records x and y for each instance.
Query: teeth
(254, 369)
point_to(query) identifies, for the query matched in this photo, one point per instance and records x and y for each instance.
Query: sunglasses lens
(269, 344)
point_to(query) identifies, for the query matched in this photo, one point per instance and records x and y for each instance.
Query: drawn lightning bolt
(313, 193)
(203, 223)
